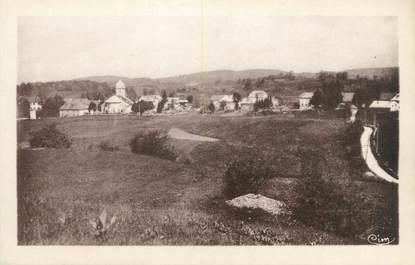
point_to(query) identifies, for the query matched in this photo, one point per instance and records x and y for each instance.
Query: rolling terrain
(181, 202)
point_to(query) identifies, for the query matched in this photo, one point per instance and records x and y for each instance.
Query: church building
(118, 103)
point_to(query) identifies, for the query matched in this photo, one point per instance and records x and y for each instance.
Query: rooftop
(348, 96)
(380, 104)
(306, 95)
(75, 104)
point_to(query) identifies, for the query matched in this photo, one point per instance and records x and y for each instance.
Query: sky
(60, 48)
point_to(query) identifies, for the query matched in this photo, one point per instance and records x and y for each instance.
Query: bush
(106, 145)
(50, 137)
(245, 175)
(153, 143)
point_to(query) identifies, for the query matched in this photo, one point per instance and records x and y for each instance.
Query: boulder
(258, 202)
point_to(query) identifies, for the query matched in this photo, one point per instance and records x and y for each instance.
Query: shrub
(153, 143)
(245, 175)
(50, 137)
(106, 145)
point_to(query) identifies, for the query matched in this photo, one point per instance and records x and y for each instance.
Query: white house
(395, 103)
(386, 105)
(380, 104)
(304, 100)
(118, 103)
(74, 107)
(247, 103)
(171, 103)
(223, 102)
(177, 103)
(35, 106)
(258, 95)
(347, 98)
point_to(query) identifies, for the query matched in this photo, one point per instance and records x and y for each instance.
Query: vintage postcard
(198, 125)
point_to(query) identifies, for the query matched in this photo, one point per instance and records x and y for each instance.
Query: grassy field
(158, 202)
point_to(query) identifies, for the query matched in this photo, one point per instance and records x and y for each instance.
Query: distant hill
(112, 79)
(210, 77)
(223, 75)
(386, 72)
(103, 78)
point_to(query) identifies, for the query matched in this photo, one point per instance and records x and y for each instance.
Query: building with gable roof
(74, 107)
(223, 102)
(257, 95)
(118, 103)
(395, 103)
(304, 100)
(386, 105)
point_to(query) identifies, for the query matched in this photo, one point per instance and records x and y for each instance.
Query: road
(176, 133)
(370, 159)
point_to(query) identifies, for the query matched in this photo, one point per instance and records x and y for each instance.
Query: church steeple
(120, 89)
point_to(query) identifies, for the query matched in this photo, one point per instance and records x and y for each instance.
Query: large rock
(258, 202)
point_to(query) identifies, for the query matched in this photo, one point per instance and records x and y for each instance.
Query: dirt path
(176, 133)
(370, 159)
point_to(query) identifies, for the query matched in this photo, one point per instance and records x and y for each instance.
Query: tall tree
(92, 107)
(211, 107)
(236, 98)
(163, 101)
(142, 106)
(23, 108)
(51, 106)
(332, 95)
(131, 94)
(317, 99)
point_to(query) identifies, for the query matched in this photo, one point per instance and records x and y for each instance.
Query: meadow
(162, 202)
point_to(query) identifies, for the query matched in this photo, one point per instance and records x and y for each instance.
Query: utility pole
(377, 133)
(139, 111)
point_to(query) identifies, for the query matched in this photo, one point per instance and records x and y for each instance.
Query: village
(119, 103)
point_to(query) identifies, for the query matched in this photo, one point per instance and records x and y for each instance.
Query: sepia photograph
(207, 132)
(220, 130)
